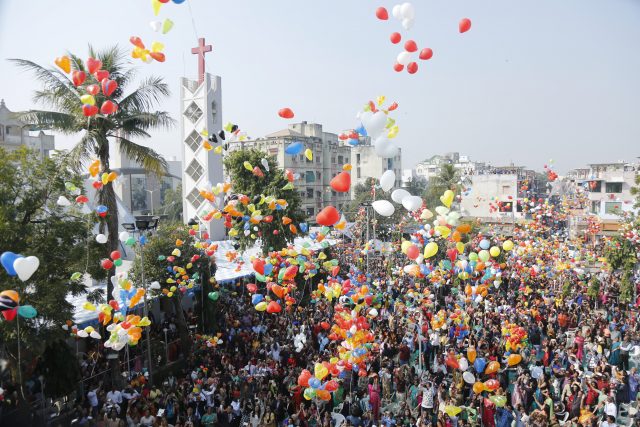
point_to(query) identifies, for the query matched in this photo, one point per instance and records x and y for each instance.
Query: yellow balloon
(460, 247)
(347, 167)
(88, 99)
(447, 198)
(406, 244)
(430, 250)
(218, 149)
(105, 178)
(248, 166)
(157, 47)
(444, 231)
(507, 245)
(88, 306)
(494, 251)
(261, 306)
(308, 154)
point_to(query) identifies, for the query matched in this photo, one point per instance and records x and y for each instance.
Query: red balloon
(328, 216)
(163, 1)
(382, 14)
(395, 38)
(114, 304)
(10, 314)
(258, 266)
(398, 67)
(93, 89)
(331, 386)
(100, 75)
(108, 107)
(107, 264)
(268, 219)
(492, 384)
(303, 378)
(325, 325)
(335, 270)
(286, 113)
(273, 307)
(78, 77)
(137, 42)
(97, 185)
(158, 56)
(464, 25)
(115, 255)
(109, 86)
(413, 252)
(82, 199)
(290, 272)
(412, 68)
(341, 182)
(410, 46)
(89, 110)
(452, 362)
(93, 65)
(251, 287)
(426, 53)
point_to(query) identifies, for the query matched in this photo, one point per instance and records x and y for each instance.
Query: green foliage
(32, 224)
(594, 287)
(626, 287)
(244, 182)
(566, 289)
(447, 179)
(173, 204)
(620, 253)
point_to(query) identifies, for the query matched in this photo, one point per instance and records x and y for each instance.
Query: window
(595, 207)
(310, 212)
(194, 170)
(595, 186)
(340, 159)
(358, 159)
(309, 193)
(138, 193)
(319, 195)
(506, 189)
(310, 177)
(318, 176)
(273, 151)
(358, 173)
(193, 140)
(333, 160)
(193, 112)
(613, 187)
(318, 159)
(612, 207)
(195, 198)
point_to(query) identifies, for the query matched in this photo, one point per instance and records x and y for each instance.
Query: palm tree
(134, 119)
(447, 179)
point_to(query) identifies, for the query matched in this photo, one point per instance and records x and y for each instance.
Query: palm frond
(138, 123)
(53, 120)
(146, 157)
(54, 80)
(147, 96)
(83, 151)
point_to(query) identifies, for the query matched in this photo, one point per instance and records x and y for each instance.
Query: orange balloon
(463, 228)
(471, 354)
(478, 387)
(492, 367)
(323, 395)
(514, 359)
(456, 236)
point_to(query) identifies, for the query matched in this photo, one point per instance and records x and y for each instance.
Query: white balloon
(463, 363)
(403, 58)
(468, 378)
(399, 195)
(25, 267)
(419, 259)
(373, 312)
(63, 201)
(383, 207)
(155, 25)
(82, 333)
(387, 180)
(441, 210)
(265, 164)
(407, 24)
(375, 125)
(155, 285)
(407, 11)
(101, 238)
(412, 203)
(95, 335)
(385, 148)
(123, 236)
(397, 11)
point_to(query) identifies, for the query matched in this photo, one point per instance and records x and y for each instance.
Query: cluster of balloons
(115, 259)
(404, 12)
(92, 101)
(19, 265)
(10, 306)
(380, 127)
(157, 4)
(104, 178)
(141, 52)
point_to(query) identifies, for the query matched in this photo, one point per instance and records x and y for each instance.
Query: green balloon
(76, 276)
(484, 255)
(260, 277)
(473, 256)
(161, 258)
(118, 262)
(130, 241)
(213, 296)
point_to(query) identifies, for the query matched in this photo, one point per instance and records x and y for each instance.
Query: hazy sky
(532, 80)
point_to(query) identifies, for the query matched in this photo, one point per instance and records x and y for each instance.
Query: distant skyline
(531, 81)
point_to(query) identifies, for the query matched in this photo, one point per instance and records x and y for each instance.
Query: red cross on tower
(200, 51)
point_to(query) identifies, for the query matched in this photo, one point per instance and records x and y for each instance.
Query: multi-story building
(431, 167)
(14, 134)
(314, 176)
(367, 164)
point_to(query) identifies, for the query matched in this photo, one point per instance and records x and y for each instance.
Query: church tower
(201, 107)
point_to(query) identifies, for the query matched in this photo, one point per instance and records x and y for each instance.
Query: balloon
(514, 359)
(273, 307)
(92, 90)
(412, 68)
(387, 180)
(499, 401)
(407, 11)
(107, 264)
(93, 65)
(25, 267)
(100, 75)
(375, 124)
(294, 148)
(258, 265)
(309, 393)
(101, 238)
(320, 371)
(447, 198)
(430, 249)
(398, 67)
(286, 113)
(413, 252)
(479, 364)
(109, 86)
(492, 367)
(265, 164)
(507, 245)
(303, 378)
(491, 385)
(64, 63)
(407, 24)
(261, 306)
(484, 255)
(494, 251)
(478, 388)
(308, 154)
(464, 25)
(452, 362)
(167, 25)
(383, 207)
(452, 411)
(341, 183)
(395, 38)
(403, 58)
(399, 195)
(412, 203)
(382, 14)
(384, 148)
(329, 216)
(410, 46)
(468, 377)
(89, 110)
(7, 259)
(256, 299)
(426, 54)
(463, 364)
(78, 77)
(213, 296)
(471, 354)
(10, 314)
(484, 244)
(27, 311)
(108, 107)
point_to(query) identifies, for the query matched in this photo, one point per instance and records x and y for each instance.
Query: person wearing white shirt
(610, 408)
(114, 395)
(609, 422)
(92, 396)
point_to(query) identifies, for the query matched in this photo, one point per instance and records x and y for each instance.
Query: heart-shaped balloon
(93, 89)
(100, 75)
(328, 216)
(447, 198)
(109, 86)
(78, 77)
(108, 107)
(25, 267)
(93, 65)
(63, 201)
(89, 110)
(64, 63)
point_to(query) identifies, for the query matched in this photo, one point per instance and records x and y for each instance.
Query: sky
(533, 80)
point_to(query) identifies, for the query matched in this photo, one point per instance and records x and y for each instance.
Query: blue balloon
(314, 382)
(485, 244)
(362, 131)
(7, 259)
(27, 311)
(295, 148)
(304, 227)
(101, 209)
(268, 268)
(178, 1)
(479, 365)
(353, 142)
(256, 298)
(143, 240)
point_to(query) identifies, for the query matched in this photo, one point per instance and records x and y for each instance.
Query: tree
(134, 119)
(33, 224)
(448, 179)
(275, 235)
(173, 204)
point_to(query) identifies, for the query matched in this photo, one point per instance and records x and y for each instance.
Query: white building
(486, 191)
(367, 164)
(14, 134)
(329, 156)
(201, 106)
(431, 167)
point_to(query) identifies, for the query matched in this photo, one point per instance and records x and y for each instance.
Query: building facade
(367, 164)
(313, 176)
(15, 134)
(432, 166)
